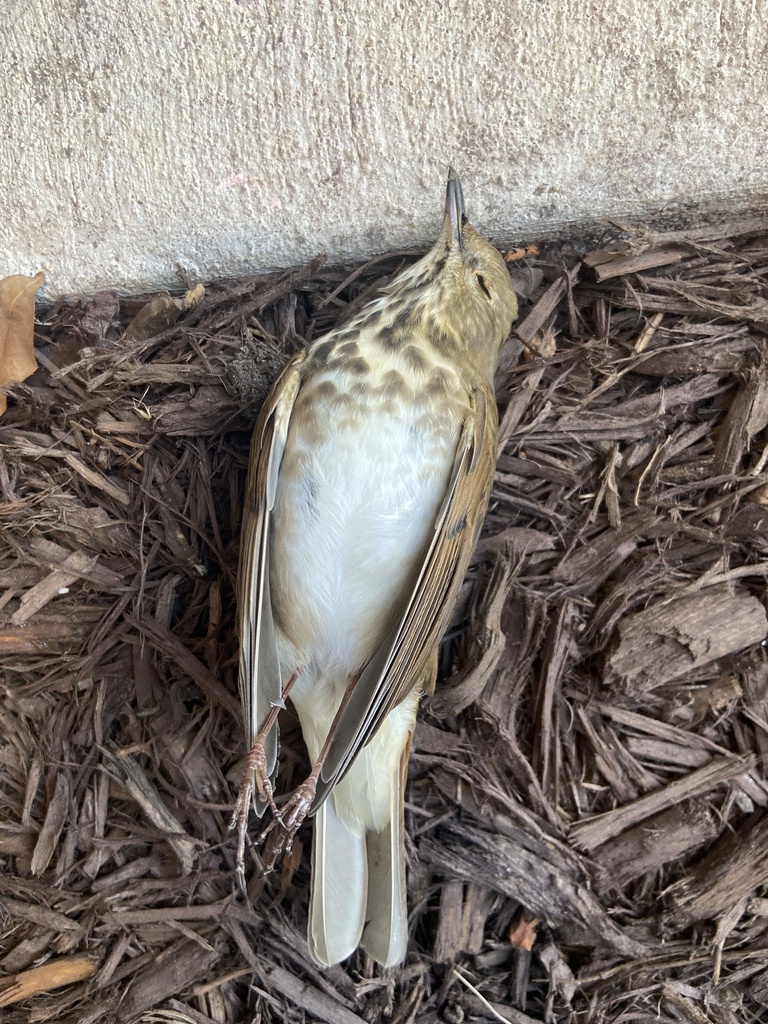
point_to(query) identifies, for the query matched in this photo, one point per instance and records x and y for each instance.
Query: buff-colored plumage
(371, 468)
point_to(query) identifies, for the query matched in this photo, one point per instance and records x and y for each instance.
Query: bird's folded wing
(260, 683)
(396, 666)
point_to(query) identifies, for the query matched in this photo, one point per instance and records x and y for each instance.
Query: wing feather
(260, 682)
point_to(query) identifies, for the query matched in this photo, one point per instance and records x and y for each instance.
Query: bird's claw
(298, 807)
(289, 821)
(254, 776)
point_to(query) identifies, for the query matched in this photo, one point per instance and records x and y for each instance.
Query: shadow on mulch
(587, 807)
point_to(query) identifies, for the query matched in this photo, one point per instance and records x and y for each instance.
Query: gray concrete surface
(225, 137)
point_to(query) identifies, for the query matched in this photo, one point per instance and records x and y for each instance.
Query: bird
(370, 473)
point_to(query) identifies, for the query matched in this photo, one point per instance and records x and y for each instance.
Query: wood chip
(55, 817)
(55, 583)
(593, 832)
(130, 775)
(672, 638)
(98, 480)
(734, 868)
(604, 683)
(309, 998)
(658, 840)
(55, 974)
(605, 265)
(503, 866)
(175, 969)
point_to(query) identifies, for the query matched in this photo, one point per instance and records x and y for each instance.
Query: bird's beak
(455, 217)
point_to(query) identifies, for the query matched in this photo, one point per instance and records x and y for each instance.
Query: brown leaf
(522, 933)
(161, 313)
(542, 345)
(522, 252)
(17, 329)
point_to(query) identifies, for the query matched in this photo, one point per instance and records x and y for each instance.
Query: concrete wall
(228, 135)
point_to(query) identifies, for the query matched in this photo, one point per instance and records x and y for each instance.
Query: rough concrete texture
(223, 137)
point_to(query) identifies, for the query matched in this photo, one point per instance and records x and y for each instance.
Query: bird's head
(462, 287)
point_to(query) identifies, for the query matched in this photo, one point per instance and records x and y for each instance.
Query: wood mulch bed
(587, 809)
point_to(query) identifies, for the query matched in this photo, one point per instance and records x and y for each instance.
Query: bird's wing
(396, 666)
(260, 683)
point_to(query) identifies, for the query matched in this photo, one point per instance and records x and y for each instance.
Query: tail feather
(339, 885)
(385, 936)
(358, 860)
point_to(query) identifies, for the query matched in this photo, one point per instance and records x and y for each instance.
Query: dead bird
(370, 472)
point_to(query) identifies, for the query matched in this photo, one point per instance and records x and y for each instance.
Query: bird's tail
(385, 936)
(358, 885)
(339, 885)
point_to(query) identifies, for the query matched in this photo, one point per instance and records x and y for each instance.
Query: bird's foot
(289, 822)
(299, 805)
(254, 776)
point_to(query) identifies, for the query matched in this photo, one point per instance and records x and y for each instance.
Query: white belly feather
(355, 512)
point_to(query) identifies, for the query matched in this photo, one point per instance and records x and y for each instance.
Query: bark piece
(526, 329)
(730, 356)
(175, 969)
(95, 479)
(488, 645)
(461, 924)
(55, 974)
(55, 817)
(589, 834)
(603, 264)
(448, 936)
(733, 868)
(45, 916)
(130, 775)
(310, 998)
(658, 840)
(585, 568)
(50, 635)
(746, 417)
(55, 583)
(671, 638)
(505, 867)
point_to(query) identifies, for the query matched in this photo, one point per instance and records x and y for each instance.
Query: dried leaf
(522, 252)
(17, 329)
(161, 313)
(522, 934)
(542, 345)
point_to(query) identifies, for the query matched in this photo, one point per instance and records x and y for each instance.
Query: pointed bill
(455, 217)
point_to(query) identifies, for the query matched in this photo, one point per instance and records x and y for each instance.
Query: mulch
(587, 806)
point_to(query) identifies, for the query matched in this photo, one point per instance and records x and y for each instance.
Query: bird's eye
(483, 285)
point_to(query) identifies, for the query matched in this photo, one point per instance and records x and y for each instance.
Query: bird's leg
(298, 807)
(256, 773)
